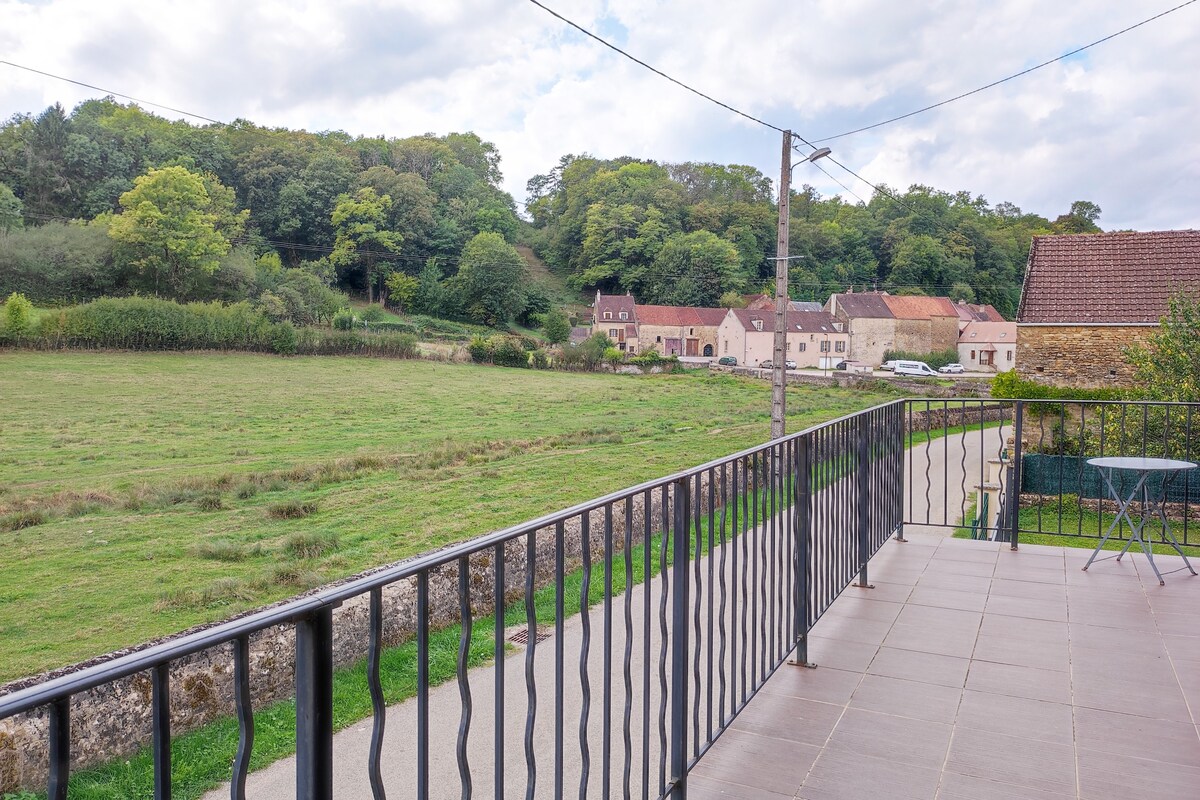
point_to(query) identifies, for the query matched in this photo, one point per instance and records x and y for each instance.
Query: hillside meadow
(141, 494)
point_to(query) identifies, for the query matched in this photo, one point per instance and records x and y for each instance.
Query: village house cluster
(857, 327)
(1086, 298)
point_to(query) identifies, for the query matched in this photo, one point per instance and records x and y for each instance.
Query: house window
(972, 355)
(726, 345)
(1010, 355)
(825, 346)
(691, 331)
(608, 315)
(658, 339)
(789, 347)
(624, 315)
(613, 333)
(839, 347)
(758, 324)
(803, 346)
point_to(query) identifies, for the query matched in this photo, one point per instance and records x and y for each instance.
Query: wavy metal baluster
(464, 685)
(697, 605)
(665, 586)
(928, 459)
(585, 646)
(721, 613)
(378, 706)
(962, 509)
(530, 647)
(712, 494)
(744, 489)
(245, 716)
(628, 553)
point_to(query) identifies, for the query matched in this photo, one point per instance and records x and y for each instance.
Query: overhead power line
(111, 92)
(655, 70)
(1015, 75)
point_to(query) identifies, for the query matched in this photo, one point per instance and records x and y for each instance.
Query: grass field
(141, 494)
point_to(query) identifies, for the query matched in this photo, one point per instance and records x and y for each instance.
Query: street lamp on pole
(779, 362)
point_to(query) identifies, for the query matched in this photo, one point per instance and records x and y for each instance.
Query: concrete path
(749, 622)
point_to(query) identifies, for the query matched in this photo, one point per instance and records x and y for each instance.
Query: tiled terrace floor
(973, 672)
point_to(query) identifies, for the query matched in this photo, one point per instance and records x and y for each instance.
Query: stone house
(749, 336)
(868, 321)
(678, 330)
(879, 322)
(986, 346)
(615, 315)
(970, 312)
(1086, 298)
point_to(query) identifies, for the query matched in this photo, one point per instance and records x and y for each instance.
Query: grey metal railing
(1031, 457)
(728, 565)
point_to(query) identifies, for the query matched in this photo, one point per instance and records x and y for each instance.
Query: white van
(914, 368)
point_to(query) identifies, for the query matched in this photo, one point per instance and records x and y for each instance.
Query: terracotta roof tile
(615, 303)
(981, 331)
(679, 316)
(919, 306)
(1108, 277)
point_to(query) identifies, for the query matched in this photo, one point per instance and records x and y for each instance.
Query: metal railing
(961, 451)
(692, 590)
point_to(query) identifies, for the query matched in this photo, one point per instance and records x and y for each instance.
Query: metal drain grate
(521, 637)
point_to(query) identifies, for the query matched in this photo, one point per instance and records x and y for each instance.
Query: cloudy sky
(1116, 125)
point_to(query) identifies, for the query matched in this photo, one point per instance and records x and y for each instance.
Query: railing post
(679, 639)
(1014, 491)
(897, 454)
(314, 706)
(863, 479)
(802, 529)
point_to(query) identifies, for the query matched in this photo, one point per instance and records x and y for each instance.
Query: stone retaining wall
(113, 721)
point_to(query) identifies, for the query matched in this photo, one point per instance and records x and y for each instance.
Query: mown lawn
(141, 494)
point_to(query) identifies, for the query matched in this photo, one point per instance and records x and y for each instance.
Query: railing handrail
(1049, 401)
(186, 644)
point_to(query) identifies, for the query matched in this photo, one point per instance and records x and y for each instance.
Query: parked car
(915, 369)
(789, 364)
(952, 369)
(888, 365)
(768, 364)
(841, 365)
(727, 361)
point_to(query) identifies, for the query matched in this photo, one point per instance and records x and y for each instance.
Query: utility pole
(779, 363)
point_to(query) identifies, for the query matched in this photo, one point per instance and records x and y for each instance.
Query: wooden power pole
(779, 363)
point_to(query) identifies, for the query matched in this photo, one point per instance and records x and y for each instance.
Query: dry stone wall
(1078, 355)
(113, 721)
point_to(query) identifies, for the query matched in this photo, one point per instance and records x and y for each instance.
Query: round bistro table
(1143, 468)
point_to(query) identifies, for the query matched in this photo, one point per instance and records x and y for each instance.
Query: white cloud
(1114, 125)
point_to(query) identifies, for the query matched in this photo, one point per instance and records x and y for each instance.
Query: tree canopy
(619, 225)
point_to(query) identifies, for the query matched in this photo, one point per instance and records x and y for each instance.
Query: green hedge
(934, 360)
(143, 323)
(1010, 386)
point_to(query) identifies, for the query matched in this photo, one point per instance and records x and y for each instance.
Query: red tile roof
(614, 303)
(802, 321)
(919, 306)
(980, 331)
(679, 316)
(1108, 277)
(969, 312)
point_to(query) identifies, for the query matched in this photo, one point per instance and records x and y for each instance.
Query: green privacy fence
(1054, 475)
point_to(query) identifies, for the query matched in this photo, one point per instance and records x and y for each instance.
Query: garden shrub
(539, 359)
(481, 350)
(343, 320)
(18, 315)
(508, 352)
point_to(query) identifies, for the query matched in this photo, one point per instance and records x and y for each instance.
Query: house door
(708, 351)
(672, 347)
(693, 347)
